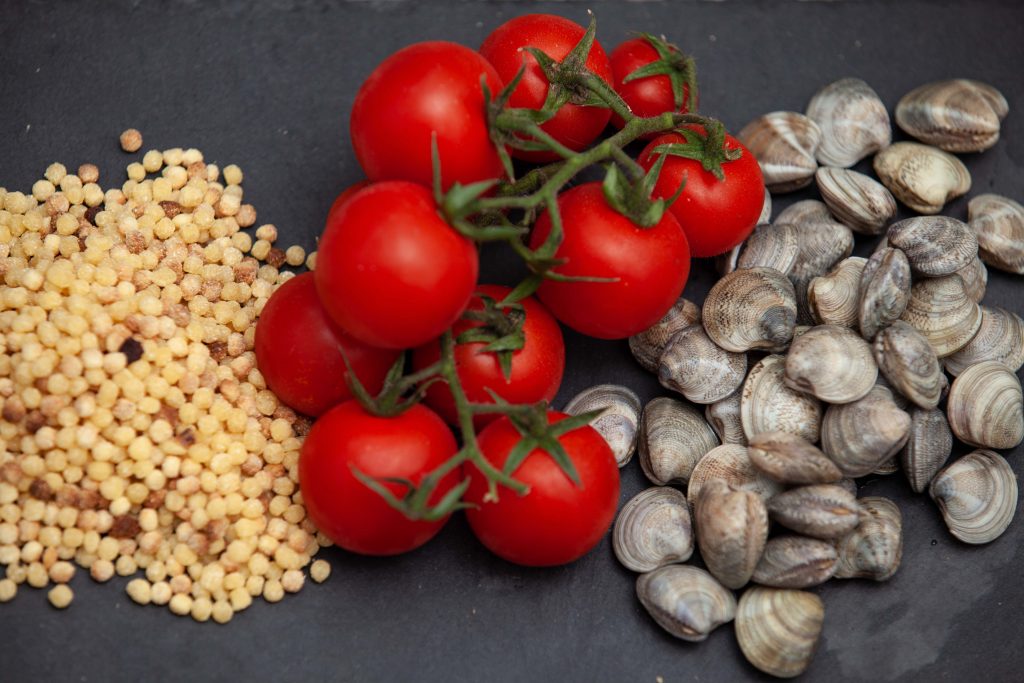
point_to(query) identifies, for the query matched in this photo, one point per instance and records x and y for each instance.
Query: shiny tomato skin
(574, 126)
(390, 271)
(351, 514)
(421, 89)
(298, 351)
(345, 195)
(715, 214)
(651, 266)
(556, 522)
(648, 96)
(537, 368)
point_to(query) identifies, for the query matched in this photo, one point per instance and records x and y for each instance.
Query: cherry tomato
(390, 271)
(298, 351)
(347, 438)
(650, 266)
(556, 521)
(715, 214)
(426, 88)
(345, 195)
(536, 368)
(575, 126)
(647, 96)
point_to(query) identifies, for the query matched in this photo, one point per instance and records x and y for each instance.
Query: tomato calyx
(399, 392)
(672, 62)
(501, 330)
(632, 197)
(706, 146)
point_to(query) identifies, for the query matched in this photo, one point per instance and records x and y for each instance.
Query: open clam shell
(796, 562)
(858, 201)
(977, 495)
(934, 245)
(922, 177)
(768, 404)
(685, 601)
(998, 223)
(956, 115)
(699, 369)
(875, 548)
(619, 420)
(834, 299)
(884, 290)
(909, 363)
(986, 407)
(791, 459)
(862, 435)
(853, 121)
(784, 143)
(832, 363)
(732, 529)
(751, 309)
(1000, 337)
(940, 309)
(673, 438)
(928, 447)
(648, 345)
(653, 529)
(778, 629)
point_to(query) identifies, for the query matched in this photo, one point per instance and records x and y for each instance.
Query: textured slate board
(268, 86)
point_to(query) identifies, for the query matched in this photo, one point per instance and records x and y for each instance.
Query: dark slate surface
(268, 86)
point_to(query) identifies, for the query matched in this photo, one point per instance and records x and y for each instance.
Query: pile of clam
(807, 367)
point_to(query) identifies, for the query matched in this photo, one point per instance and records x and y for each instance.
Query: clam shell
(856, 200)
(648, 345)
(618, 423)
(834, 299)
(975, 277)
(957, 115)
(853, 120)
(884, 290)
(928, 447)
(766, 209)
(909, 363)
(784, 143)
(653, 529)
(795, 562)
(1000, 337)
(849, 484)
(673, 437)
(770, 246)
(778, 629)
(998, 223)
(977, 495)
(940, 309)
(922, 177)
(820, 511)
(985, 406)
(767, 404)
(685, 601)
(699, 369)
(862, 435)
(724, 417)
(731, 464)
(732, 529)
(751, 309)
(875, 548)
(832, 363)
(934, 245)
(791, 459)
(890, 466)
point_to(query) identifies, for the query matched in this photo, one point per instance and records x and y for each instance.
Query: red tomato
(390, 271)
(648, 96)
(574, 126)
(345, 195)
(298, 351)
(715, 214)
(536, 368)
(556, 521)
(351, 514)
(651, 266)
(426, 88)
